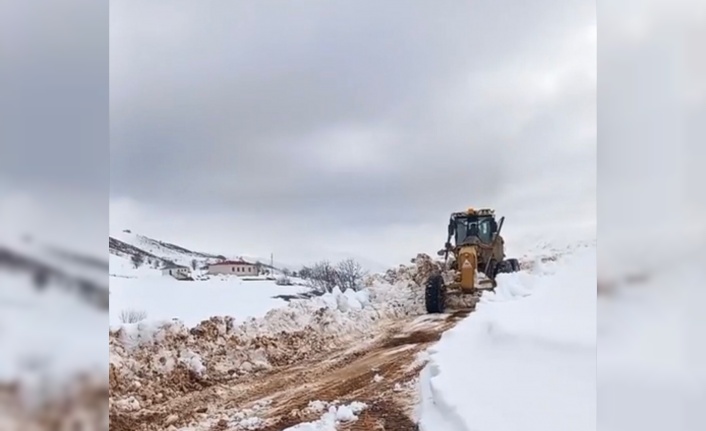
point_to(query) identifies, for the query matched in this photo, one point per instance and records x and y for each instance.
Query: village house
(237, 267)
(177, 271)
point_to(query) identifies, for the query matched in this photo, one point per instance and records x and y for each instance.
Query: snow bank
(651, 352)
(526, 359)
(152, 360)
(191, 302)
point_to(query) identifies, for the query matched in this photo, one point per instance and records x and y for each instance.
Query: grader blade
(486, 284)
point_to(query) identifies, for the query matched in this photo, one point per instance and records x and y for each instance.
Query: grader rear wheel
(435, 294)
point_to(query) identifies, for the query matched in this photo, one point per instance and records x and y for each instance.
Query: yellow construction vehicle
(477, 250)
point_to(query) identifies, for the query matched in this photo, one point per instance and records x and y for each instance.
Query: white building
(177, 271)
(238, 267)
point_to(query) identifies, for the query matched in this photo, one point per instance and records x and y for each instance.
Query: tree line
(324, 276)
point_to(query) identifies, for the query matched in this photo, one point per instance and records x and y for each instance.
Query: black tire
(514, 265)
(435, 294)
(509, 265)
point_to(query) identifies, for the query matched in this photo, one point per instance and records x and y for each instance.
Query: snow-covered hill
(155, 254)
(121, 266)
(56, 268)
(128, 243)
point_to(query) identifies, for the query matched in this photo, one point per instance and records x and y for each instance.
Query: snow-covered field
(146, 294)
(164, 298)
(47, 337)
(525, 359)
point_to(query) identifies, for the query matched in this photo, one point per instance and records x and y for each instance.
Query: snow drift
(526, 359)
(151, 361)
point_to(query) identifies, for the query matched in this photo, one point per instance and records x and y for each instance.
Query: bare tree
(132, 316)
(349, 275)
(323, 276)
(194, 264)
(305, 273)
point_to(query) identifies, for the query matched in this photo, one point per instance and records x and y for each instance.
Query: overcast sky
(317, 129)
(54, 154)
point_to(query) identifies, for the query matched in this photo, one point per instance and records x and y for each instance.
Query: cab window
(485, 230)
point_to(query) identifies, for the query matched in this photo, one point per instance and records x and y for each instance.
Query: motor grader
(477, 255)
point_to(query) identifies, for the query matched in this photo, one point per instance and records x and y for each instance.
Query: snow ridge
(149, 358)
(525, 359)
(435, 412)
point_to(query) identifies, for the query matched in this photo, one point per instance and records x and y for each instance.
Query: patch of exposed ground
(381, 373)
(262, 374)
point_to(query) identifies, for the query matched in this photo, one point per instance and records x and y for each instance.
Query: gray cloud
(367, 114)
(54, 114)
(54, 104)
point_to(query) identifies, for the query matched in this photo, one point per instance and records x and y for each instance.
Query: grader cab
(473, 248)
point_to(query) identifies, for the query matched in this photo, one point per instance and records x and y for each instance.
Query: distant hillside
(128, 251)
(156, 253)
(56, 268)
(164, 251)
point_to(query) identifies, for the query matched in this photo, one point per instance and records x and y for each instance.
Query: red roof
(232, 262)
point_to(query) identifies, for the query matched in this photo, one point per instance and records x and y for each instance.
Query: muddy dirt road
(381, 373)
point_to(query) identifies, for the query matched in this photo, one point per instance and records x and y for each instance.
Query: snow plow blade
(487, 284)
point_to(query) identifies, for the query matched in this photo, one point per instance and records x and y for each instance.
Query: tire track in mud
(393, 356)
(343, 375)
